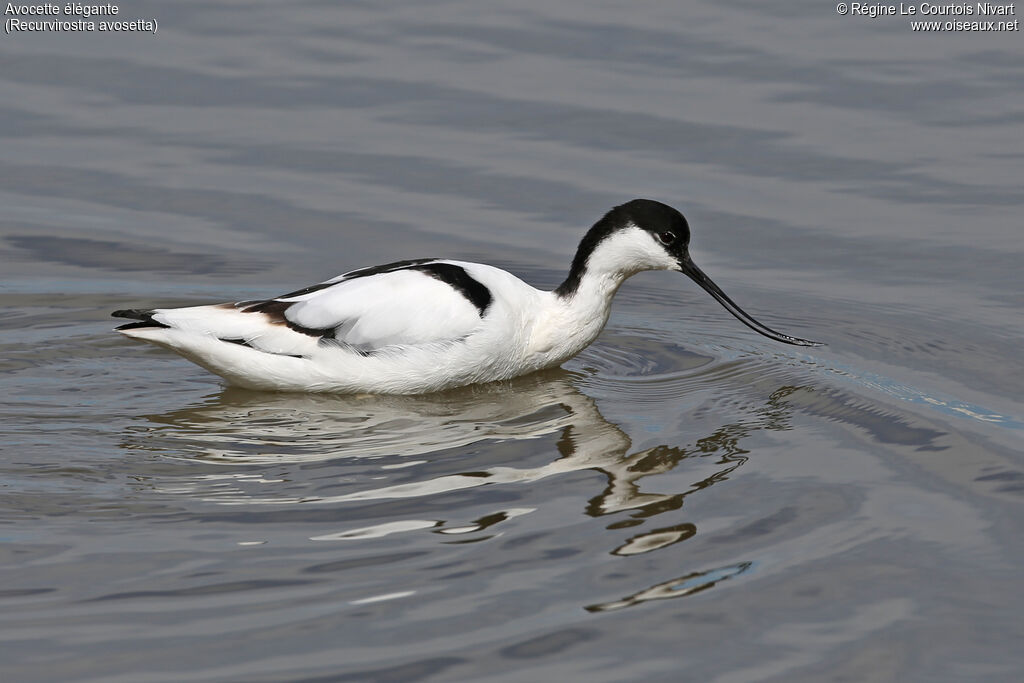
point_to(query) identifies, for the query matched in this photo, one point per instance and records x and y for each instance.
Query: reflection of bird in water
(244, 428)
(429, 324)
(271, 428)
(689, 584)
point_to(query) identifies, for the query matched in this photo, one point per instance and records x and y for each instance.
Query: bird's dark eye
(666, 237)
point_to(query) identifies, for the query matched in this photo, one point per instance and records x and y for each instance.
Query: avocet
(429, 324)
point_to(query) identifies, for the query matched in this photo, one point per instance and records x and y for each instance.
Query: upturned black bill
(689, 268)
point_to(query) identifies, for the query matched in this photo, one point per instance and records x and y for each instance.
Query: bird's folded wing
(407, 304)
(402, 307)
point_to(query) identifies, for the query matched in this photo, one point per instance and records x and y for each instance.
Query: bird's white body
(426, 325)
(445, 343)
(422, 334)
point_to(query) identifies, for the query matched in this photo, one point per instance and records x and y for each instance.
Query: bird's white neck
(569, 323)
(580, 307)
(586, 311)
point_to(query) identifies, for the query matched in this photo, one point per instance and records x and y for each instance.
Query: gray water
(684, 501)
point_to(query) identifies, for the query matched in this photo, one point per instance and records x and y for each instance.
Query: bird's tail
(144, 318)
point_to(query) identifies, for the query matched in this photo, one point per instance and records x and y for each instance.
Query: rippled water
(683, 501)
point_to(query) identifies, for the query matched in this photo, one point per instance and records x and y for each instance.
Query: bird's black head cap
(668, 226)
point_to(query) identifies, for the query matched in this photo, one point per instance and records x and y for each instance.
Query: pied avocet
(429, 324)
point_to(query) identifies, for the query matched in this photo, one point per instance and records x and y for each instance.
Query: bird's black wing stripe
(309, 290)
(362, 272)
(386, 268)
(454, 276)
(461, 281)
(275, 311)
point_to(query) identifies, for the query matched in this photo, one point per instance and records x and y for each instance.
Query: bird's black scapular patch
(145, 318)
(646, 214)
(461, 281)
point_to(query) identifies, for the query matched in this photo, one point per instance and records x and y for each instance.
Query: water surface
(683, 501)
